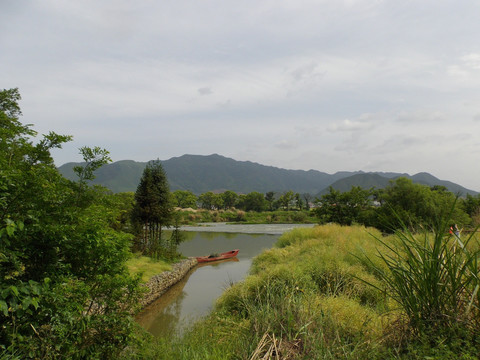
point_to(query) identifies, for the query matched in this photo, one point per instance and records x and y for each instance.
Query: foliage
(402, 202)
(416, 206)
(343, 208)
(153, 209)
(210, 201)
(185, 199)
(64, 290)
(435, 278)
(253, 201)
(229, 199)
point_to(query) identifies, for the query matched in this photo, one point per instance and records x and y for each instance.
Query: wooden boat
(222, 256)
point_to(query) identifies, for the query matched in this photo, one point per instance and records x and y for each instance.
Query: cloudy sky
(328, 85)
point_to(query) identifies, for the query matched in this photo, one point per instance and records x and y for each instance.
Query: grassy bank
(147, 266)
(308, 298)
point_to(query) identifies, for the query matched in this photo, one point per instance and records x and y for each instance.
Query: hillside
(200, 174)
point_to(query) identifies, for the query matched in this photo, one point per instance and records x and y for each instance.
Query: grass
(147, 266)
(434, 277)
(328, 293)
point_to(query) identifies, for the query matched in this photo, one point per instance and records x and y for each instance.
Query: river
(195, 295)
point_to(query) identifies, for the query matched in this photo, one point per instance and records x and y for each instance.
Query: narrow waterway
(195, 295)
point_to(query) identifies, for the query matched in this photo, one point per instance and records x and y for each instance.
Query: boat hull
(222, 256)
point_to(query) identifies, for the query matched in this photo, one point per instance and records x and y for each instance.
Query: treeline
(401, 204)
(253, 201)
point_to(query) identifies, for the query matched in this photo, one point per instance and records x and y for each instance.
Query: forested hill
(200, 174)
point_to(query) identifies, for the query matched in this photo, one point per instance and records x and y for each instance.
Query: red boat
(222, 256)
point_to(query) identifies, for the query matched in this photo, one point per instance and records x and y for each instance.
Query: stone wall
(160, 283)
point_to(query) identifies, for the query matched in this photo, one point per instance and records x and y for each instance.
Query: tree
(343, 208)
(286, 199)
(153, 207)
(298, 201)
(65, 291)
(308, 198)
(185, 199)
(229, 199)
(416, 206)
(270, 198)
(210, 201)
(254, 201)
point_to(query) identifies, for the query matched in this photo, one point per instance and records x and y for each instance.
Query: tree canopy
(64, 289)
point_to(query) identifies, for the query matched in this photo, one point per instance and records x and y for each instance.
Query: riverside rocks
(160, 283)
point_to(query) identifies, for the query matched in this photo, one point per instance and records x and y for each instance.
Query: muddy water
(194, 296)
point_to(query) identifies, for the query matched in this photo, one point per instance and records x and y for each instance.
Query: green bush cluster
(65, 292)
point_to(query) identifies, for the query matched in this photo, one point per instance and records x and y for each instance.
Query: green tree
(471, 205)
(254, 201)
(308, 198)
(286, 199)
(229, 199)
(416, 206)
(298, 201)
(153, 207)
(343, 208)
(65, 291)
(270, 198)
(185, 199)
(210, 201)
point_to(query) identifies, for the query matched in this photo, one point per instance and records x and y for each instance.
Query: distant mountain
(380, 181)
(366, 181)
(200, 174)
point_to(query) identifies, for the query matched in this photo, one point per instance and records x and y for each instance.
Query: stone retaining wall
(160, 283)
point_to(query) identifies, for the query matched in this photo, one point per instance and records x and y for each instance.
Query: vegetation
(65, 291)
(330, 293)
(152, 211)
(402, 203)
(334, 291)
(244, 217)
(146, 266)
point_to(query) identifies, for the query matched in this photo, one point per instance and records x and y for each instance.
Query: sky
(328, 85)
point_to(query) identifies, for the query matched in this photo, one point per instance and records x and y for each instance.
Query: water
(195, 295)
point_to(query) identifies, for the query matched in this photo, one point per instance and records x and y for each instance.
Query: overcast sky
(327, 85)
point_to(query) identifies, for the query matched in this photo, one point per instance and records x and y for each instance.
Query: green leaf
(14, 290)
(4, 307)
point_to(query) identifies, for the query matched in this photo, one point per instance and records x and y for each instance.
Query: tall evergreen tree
(153, 207)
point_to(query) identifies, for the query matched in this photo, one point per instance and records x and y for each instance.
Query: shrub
(435, 278)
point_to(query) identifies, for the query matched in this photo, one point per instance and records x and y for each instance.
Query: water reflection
(194, 296)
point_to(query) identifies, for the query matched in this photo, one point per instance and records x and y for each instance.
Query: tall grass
(434, 277)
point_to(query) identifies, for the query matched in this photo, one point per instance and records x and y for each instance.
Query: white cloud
(350, 126)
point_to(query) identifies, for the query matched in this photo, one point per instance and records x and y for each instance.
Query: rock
(159, 284)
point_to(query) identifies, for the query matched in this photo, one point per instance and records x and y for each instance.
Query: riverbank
(308, 298)
(270, 229)
(159, 284)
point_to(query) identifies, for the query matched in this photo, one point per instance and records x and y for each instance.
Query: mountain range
(202, 173)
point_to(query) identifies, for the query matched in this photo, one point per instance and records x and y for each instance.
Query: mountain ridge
(202, 173)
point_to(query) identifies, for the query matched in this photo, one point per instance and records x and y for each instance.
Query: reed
(434, 277)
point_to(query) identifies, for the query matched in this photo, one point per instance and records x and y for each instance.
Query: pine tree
(153, 207)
